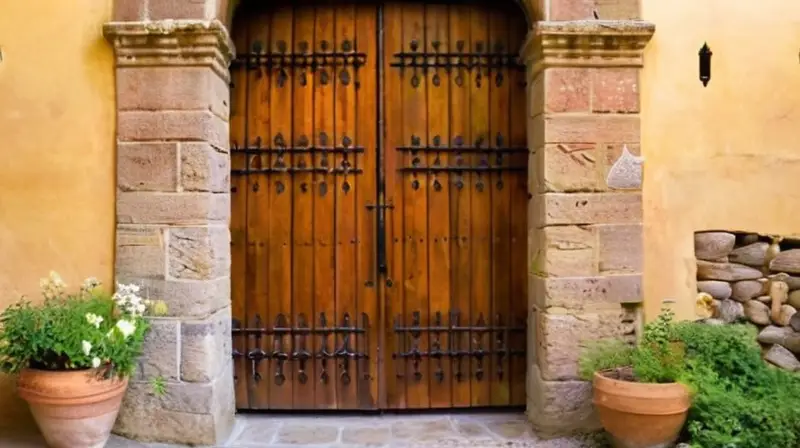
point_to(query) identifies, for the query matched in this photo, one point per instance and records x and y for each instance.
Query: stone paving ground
(490, 430)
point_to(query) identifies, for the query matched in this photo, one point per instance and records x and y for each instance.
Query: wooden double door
(379, 202)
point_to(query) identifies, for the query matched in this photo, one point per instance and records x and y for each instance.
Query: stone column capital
(170, 43)
(586, 43)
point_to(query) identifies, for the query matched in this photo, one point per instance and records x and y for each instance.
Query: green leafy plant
(739, 401)
(90, 329)
(658, 358)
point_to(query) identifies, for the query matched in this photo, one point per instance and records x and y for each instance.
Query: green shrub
(738, 400)
(74, 331)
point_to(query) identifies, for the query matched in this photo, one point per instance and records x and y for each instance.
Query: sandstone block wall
(585, 235)
(754, 278)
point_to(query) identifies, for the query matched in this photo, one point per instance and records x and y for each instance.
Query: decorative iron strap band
(291, 343)
(458, 59)
(282, 58)
(462, 342)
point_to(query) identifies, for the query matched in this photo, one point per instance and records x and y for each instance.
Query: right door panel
(456, 173)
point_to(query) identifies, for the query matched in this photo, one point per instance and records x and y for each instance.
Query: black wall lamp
(705, 64)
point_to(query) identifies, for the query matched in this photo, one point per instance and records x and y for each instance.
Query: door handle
(381, 208)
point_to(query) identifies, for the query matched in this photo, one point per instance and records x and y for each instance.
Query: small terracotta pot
(641, 415)
(73, 409)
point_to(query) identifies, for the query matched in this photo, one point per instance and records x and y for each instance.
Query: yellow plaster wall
(56, 139)
(722, 157)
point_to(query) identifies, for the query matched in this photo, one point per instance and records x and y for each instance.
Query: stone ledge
(586, 43)
(204, 43)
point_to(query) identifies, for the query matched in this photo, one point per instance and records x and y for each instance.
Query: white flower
(90, 284)
(94, 319)
(128, 300)
(95, 362)
(87, 347)
(126, 327)
(52, 286)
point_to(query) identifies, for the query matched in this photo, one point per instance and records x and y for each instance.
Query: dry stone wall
(754, 278)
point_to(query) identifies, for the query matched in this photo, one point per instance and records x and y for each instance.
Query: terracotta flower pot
(640, 415)
(73, 409)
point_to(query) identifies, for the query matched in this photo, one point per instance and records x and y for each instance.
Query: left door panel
(303, 171)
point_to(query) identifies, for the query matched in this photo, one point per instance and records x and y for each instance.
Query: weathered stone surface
(794, 298)
(561, 336)
(172, 88)
(199, 253)
(774, 335)
(615, 90)
(620, 248)
(747, 239)
(186, 298)
(783, 358)
(598, 128)
(757, 312)
(764, 299)
(141, 251)
(559, 407)
(713, 245)
(566, 90)
(129, 10)
(136, 126)
(577, 293)
(437, 427)
(181, 9)
(730, 272)
(161, 354)
(307, 434)
(256, 431)
(566, 167)
(745, 290)
(147, 166)
(587, 208)
(787, 261)
(172, 208)
(793, 282)
(584, 9)
(189, 413)
(717, 289)
(203, 168)
(751, 255)
(624, 172)
(785, 315)
(368, 436)
(729, 311)
(794, 322)
(205, 347)
(792, 340)
(564, 251)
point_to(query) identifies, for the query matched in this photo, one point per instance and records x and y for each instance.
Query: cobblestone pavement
(388, 431)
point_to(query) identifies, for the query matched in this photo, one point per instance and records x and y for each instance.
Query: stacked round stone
(747, 276)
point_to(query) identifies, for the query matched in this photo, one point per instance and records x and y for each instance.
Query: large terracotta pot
(75, 409)
(640, 415)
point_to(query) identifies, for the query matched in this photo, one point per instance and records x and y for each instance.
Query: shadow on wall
(754, 278)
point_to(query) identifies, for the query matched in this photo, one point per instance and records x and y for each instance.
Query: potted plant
(636, 391)
(73, 353)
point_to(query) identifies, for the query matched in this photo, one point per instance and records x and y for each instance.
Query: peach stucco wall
(726, 156)
(56, 138)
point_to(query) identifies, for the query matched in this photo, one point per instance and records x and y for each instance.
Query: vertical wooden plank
(238, 226)
(460, 210)
(481, 211)
(280, 211)
(324, 183)
(365, 191)
(394, 298)
(438, 84)
(346, 269)
(258, 211)
(500, 187)
(415, 206)
(519, 216)
(303, 212)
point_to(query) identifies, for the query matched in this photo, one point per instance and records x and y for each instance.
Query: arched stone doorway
(379, 204)
(174, 204)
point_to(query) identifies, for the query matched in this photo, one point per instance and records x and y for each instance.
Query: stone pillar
(173, 207)
(585, 237)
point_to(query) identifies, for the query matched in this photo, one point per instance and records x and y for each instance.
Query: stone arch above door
(173, 203)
